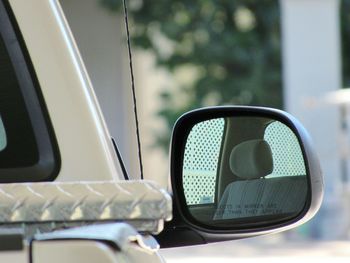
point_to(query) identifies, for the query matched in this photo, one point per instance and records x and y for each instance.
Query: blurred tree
(232, 50)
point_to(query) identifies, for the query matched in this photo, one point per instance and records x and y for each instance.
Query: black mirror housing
(252, 148)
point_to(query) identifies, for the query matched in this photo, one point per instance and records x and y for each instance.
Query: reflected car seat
(255, 195)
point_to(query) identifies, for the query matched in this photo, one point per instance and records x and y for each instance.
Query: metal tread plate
(140, 203)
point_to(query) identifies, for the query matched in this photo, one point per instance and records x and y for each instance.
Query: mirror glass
(242, 170)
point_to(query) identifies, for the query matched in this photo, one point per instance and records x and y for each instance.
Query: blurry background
(288, 54)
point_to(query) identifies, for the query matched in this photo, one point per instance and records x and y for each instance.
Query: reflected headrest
(251, 159)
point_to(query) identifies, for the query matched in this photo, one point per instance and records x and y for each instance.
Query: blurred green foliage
(230, 48)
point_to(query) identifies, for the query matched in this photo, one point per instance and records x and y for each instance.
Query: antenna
(133, 88)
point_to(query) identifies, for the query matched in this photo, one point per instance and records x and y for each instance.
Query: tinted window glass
(28, 147)
(21, 149)
(3, 137)
(287, 155)
(201, 161)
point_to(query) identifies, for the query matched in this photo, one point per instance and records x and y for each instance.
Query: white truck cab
(64, 196)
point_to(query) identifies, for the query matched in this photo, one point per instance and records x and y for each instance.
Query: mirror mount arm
(176, 233)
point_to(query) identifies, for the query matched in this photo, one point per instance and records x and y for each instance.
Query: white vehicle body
(86, 151)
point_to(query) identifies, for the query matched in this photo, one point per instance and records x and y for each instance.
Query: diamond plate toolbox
(141, 203)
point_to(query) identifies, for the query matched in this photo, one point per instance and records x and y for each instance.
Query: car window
(201, 161)
(287, 156)
(3, 138)
(21, 149)
(28, 148)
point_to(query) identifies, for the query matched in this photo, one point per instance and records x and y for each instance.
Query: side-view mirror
(238, 172)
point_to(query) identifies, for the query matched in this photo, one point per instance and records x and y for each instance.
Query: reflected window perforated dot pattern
(201, 158)
(286, 152)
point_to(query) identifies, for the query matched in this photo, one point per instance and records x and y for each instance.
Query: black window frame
(48, 162)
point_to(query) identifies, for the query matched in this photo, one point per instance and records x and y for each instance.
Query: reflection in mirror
(243, 170)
